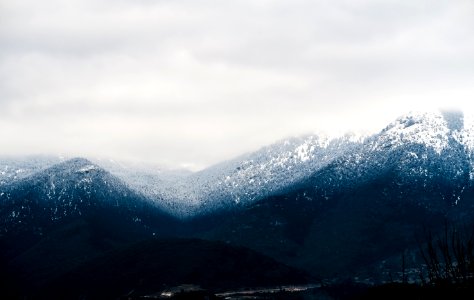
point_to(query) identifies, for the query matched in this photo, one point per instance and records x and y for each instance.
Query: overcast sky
(191, 83)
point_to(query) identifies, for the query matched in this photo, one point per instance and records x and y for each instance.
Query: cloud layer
(195, 82)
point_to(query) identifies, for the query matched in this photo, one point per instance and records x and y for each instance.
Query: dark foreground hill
(152, 266)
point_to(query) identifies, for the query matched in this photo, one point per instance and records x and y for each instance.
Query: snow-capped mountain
(425, 149)
(421, 148)
(418, 146)
(66, 190)
(271, 169)
(16, 168)
(239, 181)
(428, 146)
(368, 204)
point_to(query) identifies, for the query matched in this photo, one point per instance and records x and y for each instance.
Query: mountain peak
(416, 118)
(429, 128)
(79, 165)
(78, 161)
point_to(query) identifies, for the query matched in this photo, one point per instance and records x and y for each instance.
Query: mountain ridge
(424, 141)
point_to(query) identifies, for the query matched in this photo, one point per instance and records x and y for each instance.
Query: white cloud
(195, 82)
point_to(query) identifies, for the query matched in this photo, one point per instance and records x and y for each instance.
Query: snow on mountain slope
(161, 186)
(238, 181)
(428, 129)
(468, 132)
(16, 168)
(466, 137)
(425, 143)
(72, 188)
(272, 168)
(419, 147)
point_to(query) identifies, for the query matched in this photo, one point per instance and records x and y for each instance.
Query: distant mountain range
(420, 145)
(332, 207)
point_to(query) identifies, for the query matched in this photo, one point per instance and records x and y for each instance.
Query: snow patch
(87, 169)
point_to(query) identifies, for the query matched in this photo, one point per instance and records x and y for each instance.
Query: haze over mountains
(330, 207)
(414, 143)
